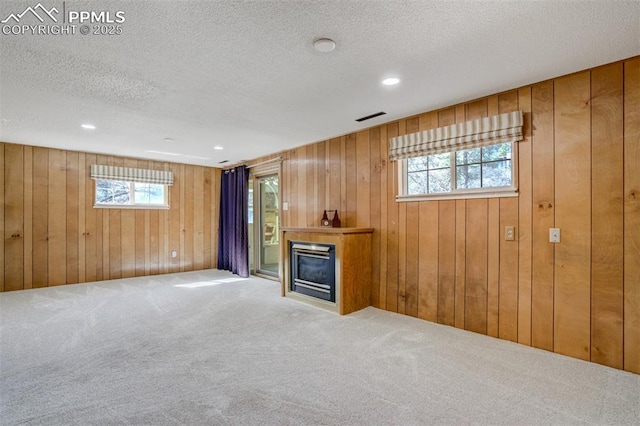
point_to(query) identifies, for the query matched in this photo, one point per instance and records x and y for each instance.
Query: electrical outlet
(554, 235)
(510, 233)
(174, 254)
(285, 205)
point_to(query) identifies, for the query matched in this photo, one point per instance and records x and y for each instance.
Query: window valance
(505, 127)
(131, 175)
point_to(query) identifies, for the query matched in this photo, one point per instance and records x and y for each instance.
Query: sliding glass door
(264, 219)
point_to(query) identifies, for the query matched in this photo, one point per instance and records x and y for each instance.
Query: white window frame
(132, 204)
(465, 193)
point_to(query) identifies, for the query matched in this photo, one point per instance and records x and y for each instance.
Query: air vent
(369, 117)
(223, 161)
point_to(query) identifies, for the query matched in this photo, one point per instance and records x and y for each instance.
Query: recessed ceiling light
(391, 81)
(88, 126)
(324, 45)
(218, 147)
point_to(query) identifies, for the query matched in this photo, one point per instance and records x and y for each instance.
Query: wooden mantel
(325, 230)
(353, 265)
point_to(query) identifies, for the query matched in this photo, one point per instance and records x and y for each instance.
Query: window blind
(505, 127)
(131, 175)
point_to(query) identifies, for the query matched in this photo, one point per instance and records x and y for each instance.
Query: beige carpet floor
(210, 348)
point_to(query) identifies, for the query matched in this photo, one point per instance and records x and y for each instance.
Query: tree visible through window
(124, 193)
(483, 167)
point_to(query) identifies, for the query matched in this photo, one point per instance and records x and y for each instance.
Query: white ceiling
(244, 75)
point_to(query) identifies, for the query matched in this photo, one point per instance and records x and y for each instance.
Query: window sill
(461, 195)
(132, 207)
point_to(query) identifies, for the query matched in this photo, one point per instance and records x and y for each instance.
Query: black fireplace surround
(313, 269)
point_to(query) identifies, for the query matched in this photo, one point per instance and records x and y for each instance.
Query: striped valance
(131, 175)
(470, 134)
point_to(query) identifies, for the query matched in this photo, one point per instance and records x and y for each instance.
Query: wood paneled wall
(448, 262)
(53, 235)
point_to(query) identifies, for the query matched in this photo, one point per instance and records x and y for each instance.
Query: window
(120, 193)
(124, 187)
(483, 171)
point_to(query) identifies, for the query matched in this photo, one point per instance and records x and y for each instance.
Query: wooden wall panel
(187, 228)
(115, 233)
(384, 211)
(607, 209)
(525, 224)
(322, 188)
(293, 188)
(27, 226)
(72, 233)
(174, 219)
(312, 187)
(428, 261)
(83, 177)
(402, 258)
(302, 186)
(141, 224)
(494, 234)
(115, 243)
(493, 266)
(90, 225)
(412, 259)
(57, 217)
(102, 216)
(508, 282)
(13, 217)
(573, 215)
(198, 218)
(334, 175)
(543, 215)
(632, 216)
(447, 262)
(40, 217)
(460, 262)
(392, 230)
(350, 178)
(509, 261)
(182, 215)
(53, 235)
(363, 185)
(476, 109)
(343, 180)
(326, 182)
(141, 250)
(375, 203)
(476, 259)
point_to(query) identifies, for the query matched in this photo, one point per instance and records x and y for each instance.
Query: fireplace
(313, 270)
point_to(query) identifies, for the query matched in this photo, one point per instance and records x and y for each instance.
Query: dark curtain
(233, 236)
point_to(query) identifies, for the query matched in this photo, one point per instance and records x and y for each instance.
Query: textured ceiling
(244, 75)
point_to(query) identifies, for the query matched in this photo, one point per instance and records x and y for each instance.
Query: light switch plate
(554, 235)
(285, 205)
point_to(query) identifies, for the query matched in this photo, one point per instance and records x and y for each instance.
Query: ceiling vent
(369, 117)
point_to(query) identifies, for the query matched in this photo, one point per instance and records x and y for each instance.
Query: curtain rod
(265, 162)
